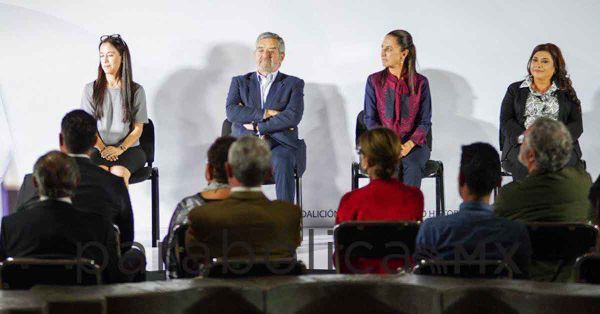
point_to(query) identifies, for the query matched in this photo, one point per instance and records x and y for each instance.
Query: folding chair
(433, 169)
(149, 172)
(24, 273)
(381, 242)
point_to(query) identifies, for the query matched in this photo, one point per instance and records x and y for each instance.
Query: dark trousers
(283, 159)
(413, 165)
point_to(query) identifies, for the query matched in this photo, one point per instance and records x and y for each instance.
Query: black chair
(186, 267)
(587, 268)
(149, 172)
(433, 168)
(298, 171)
(561, 242)
(244, 268)
(24, 273)
(464, 269)
(374, 239)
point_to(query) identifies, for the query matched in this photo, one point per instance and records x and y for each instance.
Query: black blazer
(98, 192)
(512, 117)
(55, 228)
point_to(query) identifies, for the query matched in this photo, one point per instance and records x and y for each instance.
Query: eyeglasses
(115, 36)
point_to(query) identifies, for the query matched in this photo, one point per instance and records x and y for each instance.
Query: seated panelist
(270, 104)
(398, 98)
(119, 105)
(546, 92)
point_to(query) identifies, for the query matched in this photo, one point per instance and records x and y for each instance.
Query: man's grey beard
(270, 68)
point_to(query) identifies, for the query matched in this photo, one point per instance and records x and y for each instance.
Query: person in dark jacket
(546, 92)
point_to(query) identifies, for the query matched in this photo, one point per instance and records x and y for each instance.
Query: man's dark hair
(480, 168)
(217, 156)
(79, 131)
(56, 175)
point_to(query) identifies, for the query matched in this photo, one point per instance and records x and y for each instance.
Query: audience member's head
(380, 151)
(546, 147)
(248, 161)
(217, 157)
(479, 171)
(55, 175)
(77, 132)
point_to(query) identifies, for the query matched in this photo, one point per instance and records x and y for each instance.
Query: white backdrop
(185, 52)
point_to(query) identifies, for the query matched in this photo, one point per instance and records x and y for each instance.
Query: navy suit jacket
(285, 95)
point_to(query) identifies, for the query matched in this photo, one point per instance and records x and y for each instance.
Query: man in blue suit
(270, 104)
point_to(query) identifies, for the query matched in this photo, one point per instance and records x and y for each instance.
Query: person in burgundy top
(385, 197)
(398, 98)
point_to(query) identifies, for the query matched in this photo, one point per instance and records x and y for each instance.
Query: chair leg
(438, 197)
(442, 191)
(155, 202)
(299, 192)
(354, 185)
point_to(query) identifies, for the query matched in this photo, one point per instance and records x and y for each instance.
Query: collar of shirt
(246, 189)
(476, 206)
(528, 83)
(60, 199)
(265, 85)
(272, 75)
(79, 155)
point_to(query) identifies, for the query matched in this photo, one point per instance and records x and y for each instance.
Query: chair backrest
(375, 239)
(24, 273)
(226, 128)
(587, 269)
(187, 267)
(245, 268)
(147, 141)
(561, 241)
(464, 269)
(361, 128)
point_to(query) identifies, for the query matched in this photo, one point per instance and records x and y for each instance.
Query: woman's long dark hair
(128, 86)
(405, 41)
(560, 77)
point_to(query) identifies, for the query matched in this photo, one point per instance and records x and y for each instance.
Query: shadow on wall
(329, 153)
(453, 125)
(189, 109)
(589, 139)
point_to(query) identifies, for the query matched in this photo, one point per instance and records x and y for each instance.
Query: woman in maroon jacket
(398, 98)
(385, 197)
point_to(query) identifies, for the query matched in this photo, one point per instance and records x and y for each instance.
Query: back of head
(250, 160)
(78, 129)
(56, 175)
(217, 156)
(382, 148)
(480, 168)
(551, 142)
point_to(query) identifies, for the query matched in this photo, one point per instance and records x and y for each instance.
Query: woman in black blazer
(545, 92)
